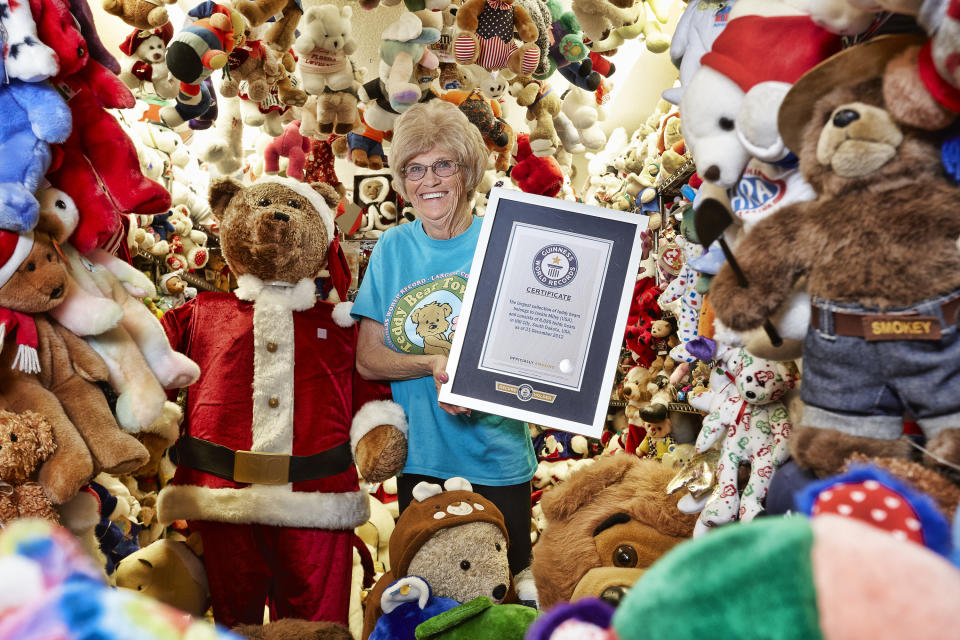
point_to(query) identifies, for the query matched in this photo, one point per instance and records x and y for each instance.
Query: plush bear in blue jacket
(32, 115)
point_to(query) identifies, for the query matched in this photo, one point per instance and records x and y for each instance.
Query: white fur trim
(20, 253)
(298, 297)
(312, 196)
(273, 378)
(372, 415)
(457, 484)
(425, 490)
(262, 504)
(341, 314)
(384, 189)
(167, 426)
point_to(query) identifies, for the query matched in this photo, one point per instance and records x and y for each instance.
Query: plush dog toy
(867, 326)
(278, 503)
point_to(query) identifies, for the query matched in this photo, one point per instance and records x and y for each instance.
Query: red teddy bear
(98, 165)
(535, 175)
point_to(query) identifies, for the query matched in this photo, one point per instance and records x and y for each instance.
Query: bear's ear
(414, 315)
(328, 193)
(222, 191)
(447, 309)
(346, 12)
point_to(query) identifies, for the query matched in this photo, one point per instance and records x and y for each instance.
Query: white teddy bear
(188, 245)
(324, 43)
(146, 61)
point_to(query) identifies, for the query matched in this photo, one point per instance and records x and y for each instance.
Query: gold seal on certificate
(539, 333)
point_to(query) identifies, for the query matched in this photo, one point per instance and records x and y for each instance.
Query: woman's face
(435, 199)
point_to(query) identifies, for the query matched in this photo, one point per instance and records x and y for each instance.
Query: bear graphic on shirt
(432, 325)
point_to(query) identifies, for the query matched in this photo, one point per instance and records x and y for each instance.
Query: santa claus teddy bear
(267, 477)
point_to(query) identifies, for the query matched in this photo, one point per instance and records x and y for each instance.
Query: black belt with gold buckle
(256, 467)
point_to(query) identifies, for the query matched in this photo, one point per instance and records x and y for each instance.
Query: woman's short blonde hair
(438, 123)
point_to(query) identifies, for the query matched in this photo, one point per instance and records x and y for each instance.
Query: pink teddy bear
(290, 144)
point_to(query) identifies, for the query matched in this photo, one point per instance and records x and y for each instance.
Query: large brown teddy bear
(25, 441)
(883, 270)
(47, 369)
(605, 525)
(266, 453)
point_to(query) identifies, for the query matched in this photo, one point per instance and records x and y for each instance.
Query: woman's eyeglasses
(441, 169)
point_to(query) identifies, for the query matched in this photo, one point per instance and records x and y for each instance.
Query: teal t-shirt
(414, 286)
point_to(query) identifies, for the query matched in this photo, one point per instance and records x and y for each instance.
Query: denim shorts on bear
(865, 387)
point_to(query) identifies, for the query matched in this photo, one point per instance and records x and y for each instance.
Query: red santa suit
(275, 528)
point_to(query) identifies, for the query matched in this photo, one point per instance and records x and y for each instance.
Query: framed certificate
(539, 334)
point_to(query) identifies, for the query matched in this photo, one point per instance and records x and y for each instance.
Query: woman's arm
(377, 361)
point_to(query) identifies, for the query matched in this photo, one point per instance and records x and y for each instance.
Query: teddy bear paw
(381, 453)
(543, 148)
(157, 17)
(825, 451)
(945, 446)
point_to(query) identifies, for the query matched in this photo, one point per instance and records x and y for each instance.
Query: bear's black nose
(712, 173)
(56, 293)
(499, 591)
(281, 216)
(750, 394)
(844, 117)
(613, 595)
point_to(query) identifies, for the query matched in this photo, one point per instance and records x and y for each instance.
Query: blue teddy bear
(32, 115)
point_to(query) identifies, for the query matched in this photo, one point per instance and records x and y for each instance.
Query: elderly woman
(408, 306)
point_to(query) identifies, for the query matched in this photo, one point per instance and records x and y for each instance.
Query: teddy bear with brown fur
(605, 525)
(140, 14)
(486, 36)
(884, 275)
(47, 369)
(26, 440)
(276, 420)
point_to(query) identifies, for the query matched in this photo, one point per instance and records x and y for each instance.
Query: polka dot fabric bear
(683, 288)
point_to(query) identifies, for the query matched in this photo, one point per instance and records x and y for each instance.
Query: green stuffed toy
(479, 619)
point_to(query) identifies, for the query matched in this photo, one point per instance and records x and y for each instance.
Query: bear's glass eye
(49, 257)
(497, 546)
(13, 437)
(31, 266)
(60, 204)
(749, 378)
(465, 564)
(293, 204)
(624, 556)
(726, 124)
(263, 202)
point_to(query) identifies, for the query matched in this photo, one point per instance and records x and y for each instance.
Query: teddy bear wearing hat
(267, 477)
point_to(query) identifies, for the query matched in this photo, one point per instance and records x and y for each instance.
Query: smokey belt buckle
(255, 467)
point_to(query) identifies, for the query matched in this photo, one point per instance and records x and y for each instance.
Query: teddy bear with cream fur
(188, 246)
(222, 148)
(103, 306)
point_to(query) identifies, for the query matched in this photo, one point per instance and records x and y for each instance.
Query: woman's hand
(440, 376)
